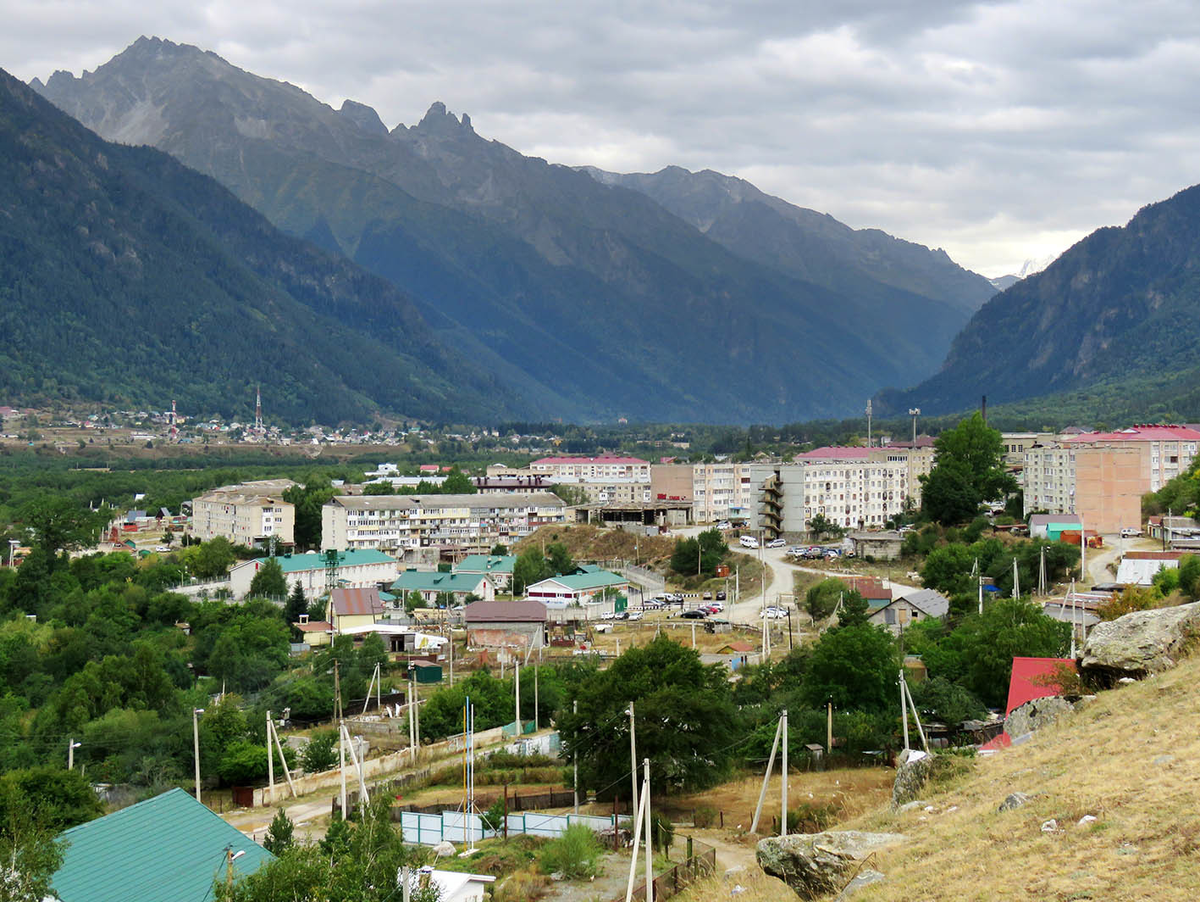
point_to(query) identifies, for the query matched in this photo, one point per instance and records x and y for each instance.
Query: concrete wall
(1109, 483)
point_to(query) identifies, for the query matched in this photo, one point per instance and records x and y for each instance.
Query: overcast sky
(1000, 131)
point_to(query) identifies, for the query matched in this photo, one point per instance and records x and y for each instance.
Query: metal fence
(453, 826)
(681, 876)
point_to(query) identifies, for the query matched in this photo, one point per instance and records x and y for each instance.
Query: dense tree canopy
(969, 470)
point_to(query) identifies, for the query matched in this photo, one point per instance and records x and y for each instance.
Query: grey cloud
(999, 130)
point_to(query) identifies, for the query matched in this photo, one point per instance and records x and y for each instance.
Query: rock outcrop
(1035, 714)
(1140, 643)
(816, 864)
(912, 774)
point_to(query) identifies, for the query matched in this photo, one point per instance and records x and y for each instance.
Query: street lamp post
(196, 712)
(71, 746)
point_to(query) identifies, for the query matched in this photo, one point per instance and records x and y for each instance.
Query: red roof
(505, 612)
(1022, 688)
(835, 452)
(604, 459)
(869, 587)
(315, 626)
(1153, 433)
(1153, 555)
(429, 468)
(355, 602)
(741, 647)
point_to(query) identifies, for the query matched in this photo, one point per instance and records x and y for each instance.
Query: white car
(634, 615)
(724, 524)
(748, 542)
(1129, 532)
(776, 543)
(774, 613)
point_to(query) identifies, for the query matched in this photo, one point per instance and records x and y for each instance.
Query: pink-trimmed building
(1166, 450)
(604, 479)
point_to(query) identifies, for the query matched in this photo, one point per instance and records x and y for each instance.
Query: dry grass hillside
(590, 543)
(1130, 759)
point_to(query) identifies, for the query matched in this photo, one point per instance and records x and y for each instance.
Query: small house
(919, 605)
(496, 567)
(431, 584)
(498, 624)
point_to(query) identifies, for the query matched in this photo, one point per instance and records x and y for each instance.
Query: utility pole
(649, 842)
(784, 791)
(271, 760)
(196, 712)
(71, 746)
(342, 764)
(829, 730)
(517, 693)
(633, 758)
(575, 763)
(537, 723)
(337, 690)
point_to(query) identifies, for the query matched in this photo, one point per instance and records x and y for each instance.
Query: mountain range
(579, 294)
(1114, 318)
(128, 279)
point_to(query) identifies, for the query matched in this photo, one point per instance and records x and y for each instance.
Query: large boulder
(1035, 714)
(1140, 643)
(816, 864)
(912, 773)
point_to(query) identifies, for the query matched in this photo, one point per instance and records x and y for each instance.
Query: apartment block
(1103, 484)
(250, 513)
(856, 488)
(602, 479)
(720, 491)
(402, 523)
(1168, 449)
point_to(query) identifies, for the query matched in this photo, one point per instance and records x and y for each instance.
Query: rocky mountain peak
(363, 116)
(439, 121)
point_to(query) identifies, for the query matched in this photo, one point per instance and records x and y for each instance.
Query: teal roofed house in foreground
(497, 566)
(430, 584)
(167, 849)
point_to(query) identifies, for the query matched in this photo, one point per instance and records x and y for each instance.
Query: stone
(911, 806)
(1035, 714)
(1140, 643)
(816, 864)
(1013, 801)
(863, 878)
(911, 776)
(1163, 759)
(1086, 819)
(443, 849)
(1050, 826)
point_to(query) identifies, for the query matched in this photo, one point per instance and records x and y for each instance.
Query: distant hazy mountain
(587, 299)
(804, 243)
(1118, 313)
(128, 278)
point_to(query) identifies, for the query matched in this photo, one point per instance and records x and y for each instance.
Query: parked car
(832, 554)
(724, 524)
(717, 606)
(720, 594)
(708, 596)
(1129, 532)
(774, 613)
(814, 552)
(748, 542)
(776, 543)
(694, 615)
(633, 615)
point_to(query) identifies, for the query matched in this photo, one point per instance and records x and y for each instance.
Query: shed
(166, 849)
(884, 545)
(501, 623)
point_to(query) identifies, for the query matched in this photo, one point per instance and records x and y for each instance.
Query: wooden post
(506, 811)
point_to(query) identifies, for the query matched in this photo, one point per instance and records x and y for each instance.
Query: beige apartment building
(720, 491)
(856, 488)
(251, 513)
(603, 479)
(400, 524)
(1168, 450)
(1102, 484)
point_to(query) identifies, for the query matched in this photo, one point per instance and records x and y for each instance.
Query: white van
(748, 542)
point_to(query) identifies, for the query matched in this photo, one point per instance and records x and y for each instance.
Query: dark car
(720, 595)
(694, 615)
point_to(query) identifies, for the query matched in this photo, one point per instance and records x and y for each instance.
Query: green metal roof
(428, 581)
(597, 579)
(166, 849)
(315, 560)
(487, 563)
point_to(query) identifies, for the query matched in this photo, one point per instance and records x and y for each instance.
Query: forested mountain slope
(127, 278)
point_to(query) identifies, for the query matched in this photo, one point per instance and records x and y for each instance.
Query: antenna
(258, 426)
(868, 423)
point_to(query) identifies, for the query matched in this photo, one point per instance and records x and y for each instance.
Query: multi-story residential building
(1168, 450)
(856, 488)
(250, 514)
(720, 491)
(1017, 443)
(513, 483)
(671, 482)
(1103, 484)
(602, 479)
(313, 572)
(404, 523)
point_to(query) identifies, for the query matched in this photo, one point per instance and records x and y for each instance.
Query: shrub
(662, 831)
(521, 886)
(704, 816)
(1128, 601)
(574, 854)
(810, 817)
(321, 752)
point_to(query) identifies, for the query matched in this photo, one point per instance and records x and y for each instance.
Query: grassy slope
(1145, 843)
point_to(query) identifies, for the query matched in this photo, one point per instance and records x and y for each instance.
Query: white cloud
(998, 130)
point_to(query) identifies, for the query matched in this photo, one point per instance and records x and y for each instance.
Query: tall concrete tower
(258, 426)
